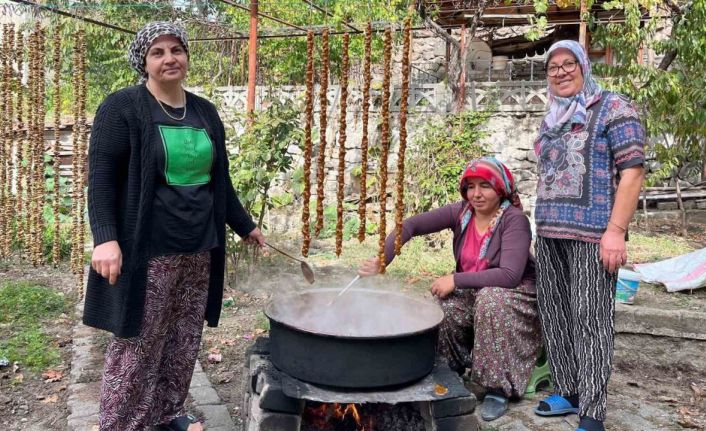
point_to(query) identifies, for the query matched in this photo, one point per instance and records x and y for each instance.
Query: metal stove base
(274, 401)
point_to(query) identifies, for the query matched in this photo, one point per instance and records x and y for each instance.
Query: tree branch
(677, 15)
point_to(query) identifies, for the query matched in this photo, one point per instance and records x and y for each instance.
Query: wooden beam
(583, 40)
(462, 78)
(252, 58)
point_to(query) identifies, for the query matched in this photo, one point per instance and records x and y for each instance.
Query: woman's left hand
(613, 253)
(443, 286)
(255, 237)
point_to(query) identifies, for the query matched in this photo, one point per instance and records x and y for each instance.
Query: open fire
(335, 416)
(361, 417)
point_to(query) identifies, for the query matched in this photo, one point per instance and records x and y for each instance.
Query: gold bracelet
(618, 226)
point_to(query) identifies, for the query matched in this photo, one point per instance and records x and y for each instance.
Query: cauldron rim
(269, 312)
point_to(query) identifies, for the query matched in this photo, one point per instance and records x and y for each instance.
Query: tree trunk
(680, 202)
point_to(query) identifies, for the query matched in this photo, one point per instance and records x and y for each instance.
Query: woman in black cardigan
(159, 197)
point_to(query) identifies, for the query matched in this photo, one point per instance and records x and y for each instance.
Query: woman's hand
(369, 267)
(107, 260)
(255, 237)
(612, 251)
(443, 286)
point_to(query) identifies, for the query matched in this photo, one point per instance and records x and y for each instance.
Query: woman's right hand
(369, 267)
(107, 260)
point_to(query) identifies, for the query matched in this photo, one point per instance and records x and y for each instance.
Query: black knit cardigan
(121, 178)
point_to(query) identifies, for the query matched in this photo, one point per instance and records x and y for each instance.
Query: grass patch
(24, 308)
(31, 348)
(416, 265)
(651, 248)
(262, 322)
(24, 303)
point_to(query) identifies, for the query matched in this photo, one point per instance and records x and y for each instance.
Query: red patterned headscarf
(494, 172)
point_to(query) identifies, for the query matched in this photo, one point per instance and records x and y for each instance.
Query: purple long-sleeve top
(509, 260)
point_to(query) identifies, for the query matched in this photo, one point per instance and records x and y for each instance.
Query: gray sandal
(493, 407)
(180, 423)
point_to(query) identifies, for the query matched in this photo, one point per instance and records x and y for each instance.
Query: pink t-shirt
(471, 249)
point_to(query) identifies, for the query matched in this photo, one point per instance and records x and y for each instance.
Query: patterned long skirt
(146, 378)
(495, 333)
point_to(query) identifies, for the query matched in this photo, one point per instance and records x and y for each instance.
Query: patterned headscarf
(564, 112)
(144, 39)
(498, 175)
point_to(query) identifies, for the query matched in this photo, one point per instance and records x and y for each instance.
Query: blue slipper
(558, 406)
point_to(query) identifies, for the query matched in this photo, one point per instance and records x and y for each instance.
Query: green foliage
(442, 147)
(673, 100)
(260, 154)
(23, 308)
(351, 222)
(212, 63)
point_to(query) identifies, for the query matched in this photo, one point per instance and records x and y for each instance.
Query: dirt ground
(30, 401)
(658, 383)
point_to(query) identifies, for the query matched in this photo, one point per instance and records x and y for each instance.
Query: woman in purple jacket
(491, 325)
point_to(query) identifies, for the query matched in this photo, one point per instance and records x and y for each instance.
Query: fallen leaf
(50, 399)
(440, 390)
(225, 377)
(215, 358)
(19, 378)
(228, 341)
(259, 331)
(52, 376)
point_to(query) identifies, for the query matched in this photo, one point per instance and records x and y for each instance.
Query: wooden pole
(252, 57)
(682, 210)
(462, 77)
(583, 40)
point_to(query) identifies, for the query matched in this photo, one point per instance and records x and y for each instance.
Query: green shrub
(442, 147)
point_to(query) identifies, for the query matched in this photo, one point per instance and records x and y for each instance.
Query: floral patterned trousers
(146, 378)
(495, 333)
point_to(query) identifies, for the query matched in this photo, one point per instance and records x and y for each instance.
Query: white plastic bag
(683, 272)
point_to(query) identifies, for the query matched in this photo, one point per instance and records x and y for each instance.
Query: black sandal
(180, 423)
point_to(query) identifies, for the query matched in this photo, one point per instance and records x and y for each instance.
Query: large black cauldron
(366, 338)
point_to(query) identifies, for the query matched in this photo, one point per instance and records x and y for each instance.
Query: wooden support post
(608, 55)
(462, 78)
(583, 40)
(252, 57)
(682, 210)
